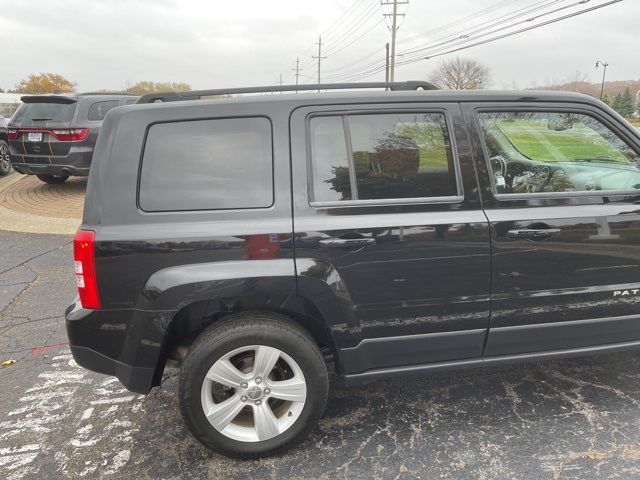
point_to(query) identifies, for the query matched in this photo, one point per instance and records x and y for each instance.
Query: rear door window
(368, 157)
(207, 165)
(98, 110)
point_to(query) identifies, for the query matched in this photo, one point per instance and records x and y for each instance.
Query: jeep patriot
(253, 241)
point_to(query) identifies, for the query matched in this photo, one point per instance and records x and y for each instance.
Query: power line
(532, 27)
(472, 16)
(354, 26)
(434, 49)
(331, 30)
(437, 50)
(466, 34)
(379, 62)
(336, 29)
(333, 52)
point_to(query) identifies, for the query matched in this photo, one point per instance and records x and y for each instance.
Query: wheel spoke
(226, 374)
(221, 414)
(265, 421)
(265, 360)
(293, 390)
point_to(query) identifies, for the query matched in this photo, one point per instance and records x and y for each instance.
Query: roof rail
(197, 94)
(108, 93)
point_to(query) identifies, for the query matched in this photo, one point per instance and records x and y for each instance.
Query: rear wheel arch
(193, 319)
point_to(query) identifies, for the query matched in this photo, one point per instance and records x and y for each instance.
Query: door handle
(337, 242)
(533, 233)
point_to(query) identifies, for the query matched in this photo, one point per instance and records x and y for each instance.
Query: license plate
(34, 136)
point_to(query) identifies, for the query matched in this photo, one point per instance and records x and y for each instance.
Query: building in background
(9, 103)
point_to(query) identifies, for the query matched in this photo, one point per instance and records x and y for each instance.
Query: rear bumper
(136, 379)
(123, 343)
(38, 169)
(76, 163)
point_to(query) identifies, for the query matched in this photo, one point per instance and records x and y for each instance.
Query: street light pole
(604, 75)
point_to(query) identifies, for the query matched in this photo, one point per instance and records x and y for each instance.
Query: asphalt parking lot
(575, 419)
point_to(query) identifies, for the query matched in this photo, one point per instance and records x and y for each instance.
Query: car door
(562, 199)
(388, 224)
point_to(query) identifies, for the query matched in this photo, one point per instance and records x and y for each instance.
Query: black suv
(53, 136)
(256, 240)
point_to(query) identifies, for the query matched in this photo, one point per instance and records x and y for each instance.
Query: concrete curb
(27, 223)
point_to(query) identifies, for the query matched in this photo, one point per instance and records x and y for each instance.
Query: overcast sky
(208, 44)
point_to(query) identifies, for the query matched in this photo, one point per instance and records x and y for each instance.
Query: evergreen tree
(626, 103)
(615, 104)
(606, 99)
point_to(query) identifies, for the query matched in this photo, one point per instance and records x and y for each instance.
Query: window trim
(577, 108)
(197, 119)
(343, 116)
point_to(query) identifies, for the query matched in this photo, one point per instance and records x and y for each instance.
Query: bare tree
(461, 74)
(577, 82)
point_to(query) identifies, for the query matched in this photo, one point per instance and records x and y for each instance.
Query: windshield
(44, 112)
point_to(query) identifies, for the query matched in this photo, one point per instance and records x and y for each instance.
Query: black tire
(53, 178)
(240, 330)
(5, 163)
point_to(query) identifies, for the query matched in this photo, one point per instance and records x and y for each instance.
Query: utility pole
(297, 70)
(319, 57)
(386, 70)
(604, 75)
(394, 29)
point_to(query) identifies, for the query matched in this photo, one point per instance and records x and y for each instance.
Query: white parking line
(46, 412)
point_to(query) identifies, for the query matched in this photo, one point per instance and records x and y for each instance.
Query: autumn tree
(44, 83)
(461, 74)
(146, 86)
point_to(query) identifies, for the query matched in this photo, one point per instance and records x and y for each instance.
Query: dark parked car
(53, 136)
(5, 162)
(256, 240)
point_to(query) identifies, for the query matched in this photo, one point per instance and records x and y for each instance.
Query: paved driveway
(572, 419)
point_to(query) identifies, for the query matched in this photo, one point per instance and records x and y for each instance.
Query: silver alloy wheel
(5, 163)
(253, 393)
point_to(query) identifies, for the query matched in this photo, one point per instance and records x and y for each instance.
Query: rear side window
(207, 165)
(381, 156)
(98, 110)
(44, 112)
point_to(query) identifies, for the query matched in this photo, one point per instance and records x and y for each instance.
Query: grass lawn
(535, 140)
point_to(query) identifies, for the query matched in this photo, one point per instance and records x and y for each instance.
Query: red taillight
(71, 135)
(61, 134)
(84, 262)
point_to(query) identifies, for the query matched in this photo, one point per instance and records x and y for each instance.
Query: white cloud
(101, 44)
